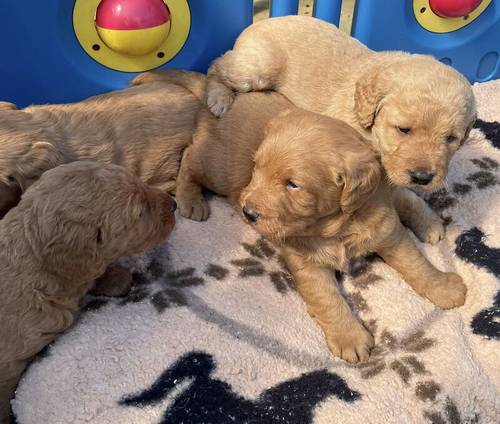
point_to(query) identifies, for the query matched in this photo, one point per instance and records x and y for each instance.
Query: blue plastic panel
(42, 61)
(391, 25)
(328, 10)
(283, 7)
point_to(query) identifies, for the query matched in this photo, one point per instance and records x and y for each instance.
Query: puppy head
(419, 112)
(309, 168)
(81, 216)
(25, 153)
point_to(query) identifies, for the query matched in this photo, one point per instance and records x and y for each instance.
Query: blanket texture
(214, 332)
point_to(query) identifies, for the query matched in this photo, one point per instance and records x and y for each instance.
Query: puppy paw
(219, 101)
(432, 233)
(352, 342)
(448, 292)
(195, 209)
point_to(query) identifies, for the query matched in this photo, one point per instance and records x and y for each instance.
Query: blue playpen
(54, 50)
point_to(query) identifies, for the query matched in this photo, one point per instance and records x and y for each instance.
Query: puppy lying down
(67, 228)
(415, 110)
(312, 185)
(143, 128)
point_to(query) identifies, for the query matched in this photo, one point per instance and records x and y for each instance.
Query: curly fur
(66, 229)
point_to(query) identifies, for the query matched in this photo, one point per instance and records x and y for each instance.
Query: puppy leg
(418, 216)
(219, 96)
(345, 335)
(445, 289)
(115, 282)
(188, 194)
(249, 67)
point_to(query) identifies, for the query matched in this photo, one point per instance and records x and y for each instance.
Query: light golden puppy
(143, 128)
(66, 229)
(415, 110)
(312, 185)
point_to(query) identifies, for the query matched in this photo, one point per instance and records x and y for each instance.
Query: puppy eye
(11, 179)
(292, 185)
(404, 130)
(451, 139)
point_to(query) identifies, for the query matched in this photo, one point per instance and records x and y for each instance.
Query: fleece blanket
(214, 332)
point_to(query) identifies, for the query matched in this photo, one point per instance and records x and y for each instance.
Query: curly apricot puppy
(66, 229)
(144, 128)
(415, 110)
(313, 186)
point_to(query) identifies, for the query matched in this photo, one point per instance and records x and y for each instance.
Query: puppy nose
(174, 205)
(250, 214)
(421, 176)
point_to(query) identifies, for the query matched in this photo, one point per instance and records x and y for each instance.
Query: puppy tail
(194, 82)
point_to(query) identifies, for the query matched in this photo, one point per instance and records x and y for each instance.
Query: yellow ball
(135, 42)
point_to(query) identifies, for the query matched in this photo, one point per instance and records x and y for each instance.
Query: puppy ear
(66, 245)
(7, 106)
(369, 91)
(360, 181)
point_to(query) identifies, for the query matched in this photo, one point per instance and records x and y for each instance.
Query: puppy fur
(415, 110)
(143, 128)
(313, 186)
(67, 227)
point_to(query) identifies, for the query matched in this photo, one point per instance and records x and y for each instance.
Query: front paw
(448, 292)
(195, 209)
(350, 341)
(219, 100)
(431, 233)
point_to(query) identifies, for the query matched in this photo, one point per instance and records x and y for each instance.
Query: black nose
(174, 205)
(421, 177)
(250, 214)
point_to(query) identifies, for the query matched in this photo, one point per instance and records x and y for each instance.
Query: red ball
(453, 8)
(131, 14)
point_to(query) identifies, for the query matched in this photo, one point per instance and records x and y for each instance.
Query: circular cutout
(96, 47)
(133, 50)
(487, 66)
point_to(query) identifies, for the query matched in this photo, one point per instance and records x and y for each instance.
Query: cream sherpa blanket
(213, 331)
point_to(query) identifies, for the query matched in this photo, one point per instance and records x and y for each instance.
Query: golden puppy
(66, 229)
(312, 185)
(143, 128)
(415, 110)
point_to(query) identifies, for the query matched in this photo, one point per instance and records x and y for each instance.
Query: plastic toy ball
(69, 52)
(133, 27)
(453, 8)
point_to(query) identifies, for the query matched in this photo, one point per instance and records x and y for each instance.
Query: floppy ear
(369, 91)
(7, 106)
(66, 245)
(360, 181)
